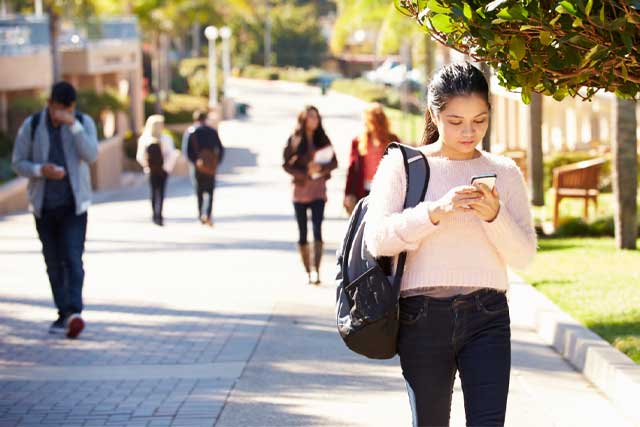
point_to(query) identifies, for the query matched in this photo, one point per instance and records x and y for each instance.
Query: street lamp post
(211, 33)
(225, 34)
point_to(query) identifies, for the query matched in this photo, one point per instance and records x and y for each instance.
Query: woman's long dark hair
(459, 79)
(320, 138)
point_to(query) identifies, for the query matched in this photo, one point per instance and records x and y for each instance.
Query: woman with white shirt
(157, 155)
(454, 314)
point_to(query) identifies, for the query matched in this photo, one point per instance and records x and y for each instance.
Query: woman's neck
(440, 149)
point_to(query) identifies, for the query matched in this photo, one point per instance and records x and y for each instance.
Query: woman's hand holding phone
(458, 199)
(488, 206)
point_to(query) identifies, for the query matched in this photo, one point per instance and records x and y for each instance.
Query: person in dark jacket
(53, 149)
(366, 152)
(203, 140)
(309, 158)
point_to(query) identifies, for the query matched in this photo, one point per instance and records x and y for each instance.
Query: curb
(610, 370)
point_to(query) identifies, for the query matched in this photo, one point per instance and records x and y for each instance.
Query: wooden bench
(577, 180)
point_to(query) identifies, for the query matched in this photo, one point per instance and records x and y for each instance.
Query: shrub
(577, 227)
(178, 108)
(6, 173)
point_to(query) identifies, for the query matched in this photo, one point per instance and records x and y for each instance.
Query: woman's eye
(480, 121)
(455, 123)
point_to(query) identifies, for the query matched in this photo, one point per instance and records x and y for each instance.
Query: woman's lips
(466, 142)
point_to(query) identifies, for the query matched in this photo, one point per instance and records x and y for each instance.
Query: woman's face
(463, 123)
(312, 121)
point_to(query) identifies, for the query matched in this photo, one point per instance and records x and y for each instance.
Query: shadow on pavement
(135, 246)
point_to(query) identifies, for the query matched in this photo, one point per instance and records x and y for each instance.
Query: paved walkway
(190, 326)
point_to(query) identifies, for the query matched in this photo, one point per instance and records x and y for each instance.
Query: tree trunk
(54, 31)
(486, 141)
(535, 165)
(625, 174)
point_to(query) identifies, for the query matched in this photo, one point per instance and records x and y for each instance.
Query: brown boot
(317, 257)
(305, 254)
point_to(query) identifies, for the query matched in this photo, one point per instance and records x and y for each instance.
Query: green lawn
(595, 283)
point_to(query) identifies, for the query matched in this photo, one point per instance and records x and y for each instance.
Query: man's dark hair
(199, 116)
(63, 93)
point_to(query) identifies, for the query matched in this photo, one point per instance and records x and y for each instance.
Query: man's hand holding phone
(52, 171)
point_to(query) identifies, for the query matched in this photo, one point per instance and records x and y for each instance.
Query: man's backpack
(35, 120)
(155, 160)
(367, 307)
(208, 158)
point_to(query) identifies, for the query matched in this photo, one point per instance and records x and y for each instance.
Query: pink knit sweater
(462, 250)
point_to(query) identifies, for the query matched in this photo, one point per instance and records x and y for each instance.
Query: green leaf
(625, 72)
(628, 43)
(517, 48)
(468, 12)
(526, 96)
(596, 53)
(587, 9)
(437, 7)
(577, 23)
(442, 23)
(566, 7)
(546, 38)
(602, 20)
(555, 20)
(513, 13)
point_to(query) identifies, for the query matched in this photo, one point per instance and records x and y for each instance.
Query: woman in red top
(309, 158)
(366, 152)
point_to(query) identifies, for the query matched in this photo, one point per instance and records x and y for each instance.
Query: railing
(23, 35)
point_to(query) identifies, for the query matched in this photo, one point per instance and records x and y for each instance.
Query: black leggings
(317, 215)
(158, 187)
(206, 185)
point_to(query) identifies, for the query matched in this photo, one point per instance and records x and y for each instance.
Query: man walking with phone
(54, 148)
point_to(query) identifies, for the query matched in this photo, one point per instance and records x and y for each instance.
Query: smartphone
(488, 179)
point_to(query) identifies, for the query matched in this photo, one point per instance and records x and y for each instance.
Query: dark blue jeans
(62, 234)
(470, 334)
(317, 216)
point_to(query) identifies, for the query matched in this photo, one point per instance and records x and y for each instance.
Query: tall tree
(560, 48)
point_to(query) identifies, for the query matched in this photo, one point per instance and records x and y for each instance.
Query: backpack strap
(418, 173)
(35, 121)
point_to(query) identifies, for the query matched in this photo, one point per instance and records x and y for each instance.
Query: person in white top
(157, 155)
(454, 314)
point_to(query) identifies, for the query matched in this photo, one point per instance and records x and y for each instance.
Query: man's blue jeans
(62, 234)
(470, 334)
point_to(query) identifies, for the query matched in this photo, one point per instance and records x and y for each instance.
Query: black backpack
(367, 296)
(155, 159)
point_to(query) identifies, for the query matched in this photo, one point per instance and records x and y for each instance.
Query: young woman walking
(454, 314)
(157, 155)
(309, 158)
(366, 152)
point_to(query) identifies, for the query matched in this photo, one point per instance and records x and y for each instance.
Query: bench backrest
(584, 175)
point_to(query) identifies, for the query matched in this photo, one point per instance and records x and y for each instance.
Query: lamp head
(211, 32)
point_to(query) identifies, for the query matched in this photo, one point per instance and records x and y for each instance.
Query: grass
(595, 283)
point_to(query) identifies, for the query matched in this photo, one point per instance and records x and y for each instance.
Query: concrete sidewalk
(190, 326)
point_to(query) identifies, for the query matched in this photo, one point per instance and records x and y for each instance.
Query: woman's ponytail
(431, 133)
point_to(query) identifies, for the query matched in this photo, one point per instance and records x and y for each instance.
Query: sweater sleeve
(391, 229)
(512, 232)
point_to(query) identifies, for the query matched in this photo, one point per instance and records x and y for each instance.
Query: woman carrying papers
(309, 158)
